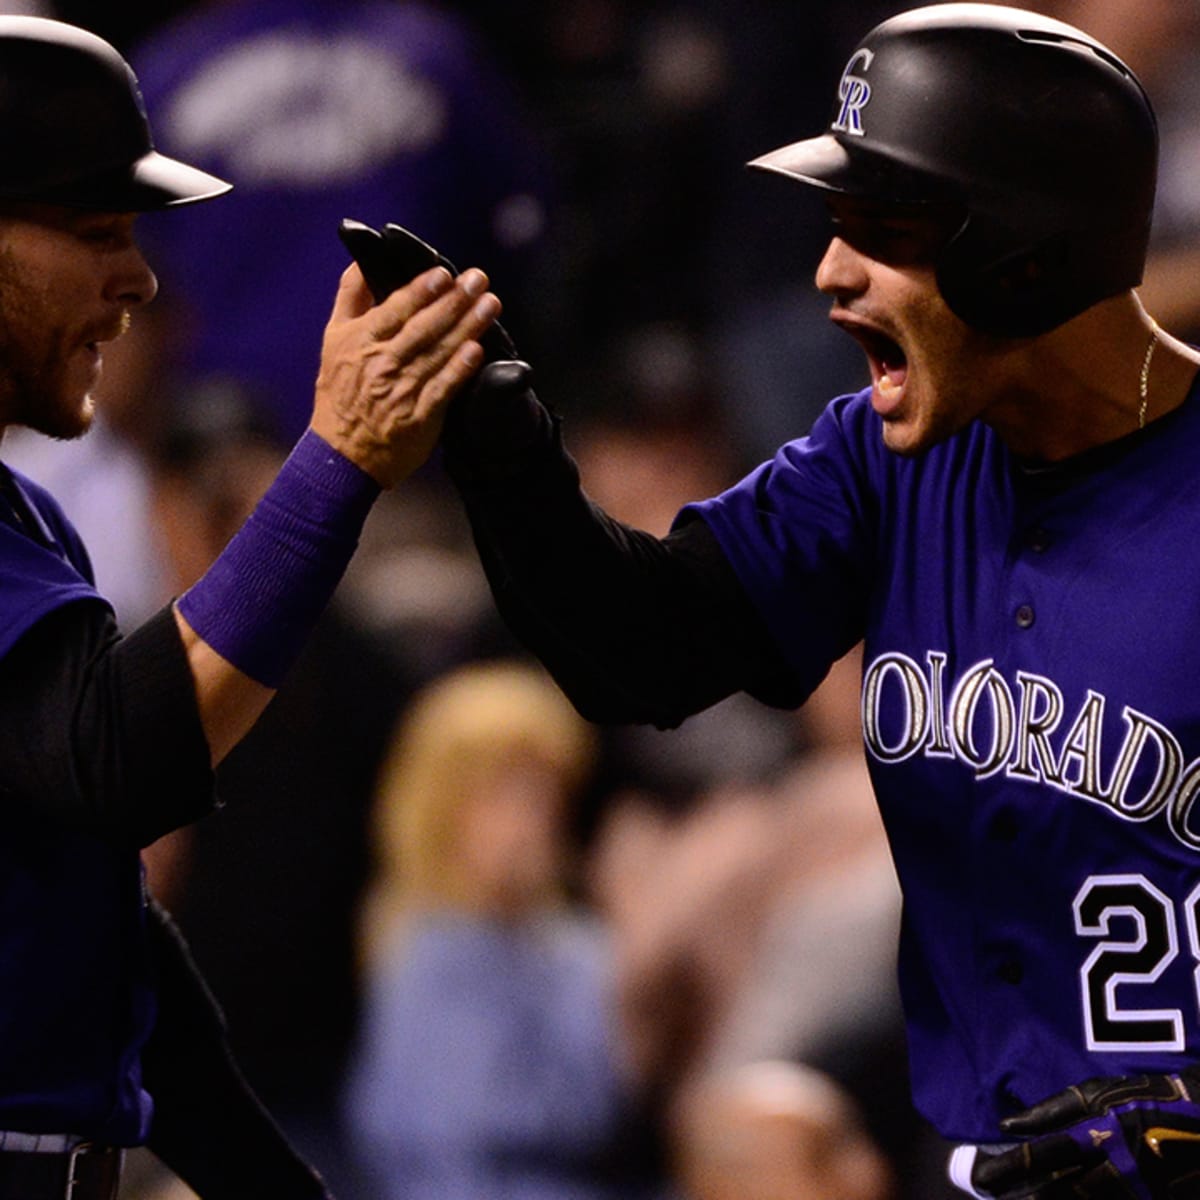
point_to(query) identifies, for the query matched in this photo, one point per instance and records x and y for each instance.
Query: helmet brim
(826, 162)
(174, 182)
(155, 181)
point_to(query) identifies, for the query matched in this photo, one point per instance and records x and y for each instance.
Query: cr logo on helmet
(854, 92)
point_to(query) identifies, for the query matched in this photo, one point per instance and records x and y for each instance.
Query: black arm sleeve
(103, 732)
(634, 628)
(208, 1126)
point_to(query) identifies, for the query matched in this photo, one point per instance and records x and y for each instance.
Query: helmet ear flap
(1007, 293)
(1051, 278)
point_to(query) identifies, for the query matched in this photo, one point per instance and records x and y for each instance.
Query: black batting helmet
(1044, 140)
(73, 127)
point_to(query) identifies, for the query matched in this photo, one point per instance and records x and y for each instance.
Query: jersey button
(1011, 971)
(1025, 616)
(1038, 540)
(1004, 827)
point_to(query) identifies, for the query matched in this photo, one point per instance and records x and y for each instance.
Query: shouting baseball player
(107, 1037)
(1006, 518)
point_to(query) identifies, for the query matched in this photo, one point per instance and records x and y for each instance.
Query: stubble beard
(37, 400)
(35, 387)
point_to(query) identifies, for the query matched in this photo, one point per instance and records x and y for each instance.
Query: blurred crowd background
(467, 945)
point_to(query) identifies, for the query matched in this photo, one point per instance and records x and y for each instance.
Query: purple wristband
(257, 604)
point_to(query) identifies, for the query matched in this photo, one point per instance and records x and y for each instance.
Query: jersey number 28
(1140, 938)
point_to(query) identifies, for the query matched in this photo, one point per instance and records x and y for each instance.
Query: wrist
(358, 447)
(258, 602)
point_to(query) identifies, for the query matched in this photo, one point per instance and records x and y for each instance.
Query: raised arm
(634, 628)
(118, 735)
(387, 373)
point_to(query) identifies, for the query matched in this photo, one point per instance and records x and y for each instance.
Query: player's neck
(1098, 378)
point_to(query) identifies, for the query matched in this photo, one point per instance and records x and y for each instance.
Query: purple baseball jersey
(1031, 715)
(76, 995)
(41, 569)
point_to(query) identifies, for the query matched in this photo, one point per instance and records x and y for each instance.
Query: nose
(132, 283)
(842, 273)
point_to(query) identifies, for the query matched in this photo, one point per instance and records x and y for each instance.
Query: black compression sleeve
(209, 1127)
(634, 628)
(102, 732)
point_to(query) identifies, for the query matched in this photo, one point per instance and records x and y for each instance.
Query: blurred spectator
(778, 1131)
(655, 438)
(756, 925)
(382, 110)
(416, 588)
(651, 111)
(489, 1064)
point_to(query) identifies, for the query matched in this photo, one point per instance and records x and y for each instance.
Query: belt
(88, 1172)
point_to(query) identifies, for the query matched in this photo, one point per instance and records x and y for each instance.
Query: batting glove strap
(1116, 1138)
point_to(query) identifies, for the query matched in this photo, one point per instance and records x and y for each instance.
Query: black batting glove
(393, 256)
(1118, 1138)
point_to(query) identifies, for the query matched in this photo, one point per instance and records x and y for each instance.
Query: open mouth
(886, 358)
(101, 337)
(889, 364)
(110, 331)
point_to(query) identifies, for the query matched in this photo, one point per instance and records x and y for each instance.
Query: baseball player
(1007, 518)
(108, 1038)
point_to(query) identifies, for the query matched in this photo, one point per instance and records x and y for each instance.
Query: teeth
(887, 385)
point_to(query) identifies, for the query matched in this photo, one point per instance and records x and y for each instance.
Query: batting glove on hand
(391, 257)
(1118, 1138)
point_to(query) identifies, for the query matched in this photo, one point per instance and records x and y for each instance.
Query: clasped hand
(388, 371)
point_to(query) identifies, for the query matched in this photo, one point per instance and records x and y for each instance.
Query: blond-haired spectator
(489, 1064)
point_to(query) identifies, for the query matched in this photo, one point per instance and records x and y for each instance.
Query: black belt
(86, 1173)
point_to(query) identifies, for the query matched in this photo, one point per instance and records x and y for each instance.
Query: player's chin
(70, 416)
(915, 427)
(904, 437)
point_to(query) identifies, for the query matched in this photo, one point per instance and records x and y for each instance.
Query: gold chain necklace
(1144, 379)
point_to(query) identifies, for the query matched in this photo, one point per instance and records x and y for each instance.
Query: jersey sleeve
(97, 732)
(635, 629)
(42, 568)
(800, 533)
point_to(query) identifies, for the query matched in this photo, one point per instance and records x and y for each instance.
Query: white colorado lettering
(991, 726)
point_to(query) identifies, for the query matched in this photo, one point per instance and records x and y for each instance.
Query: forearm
(228, 700)
(246, 620)
(386, 375)
(633, 627)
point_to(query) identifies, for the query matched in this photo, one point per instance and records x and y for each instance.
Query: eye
(901, 242)
(897, 241)
(897, 235)
(107, 233)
